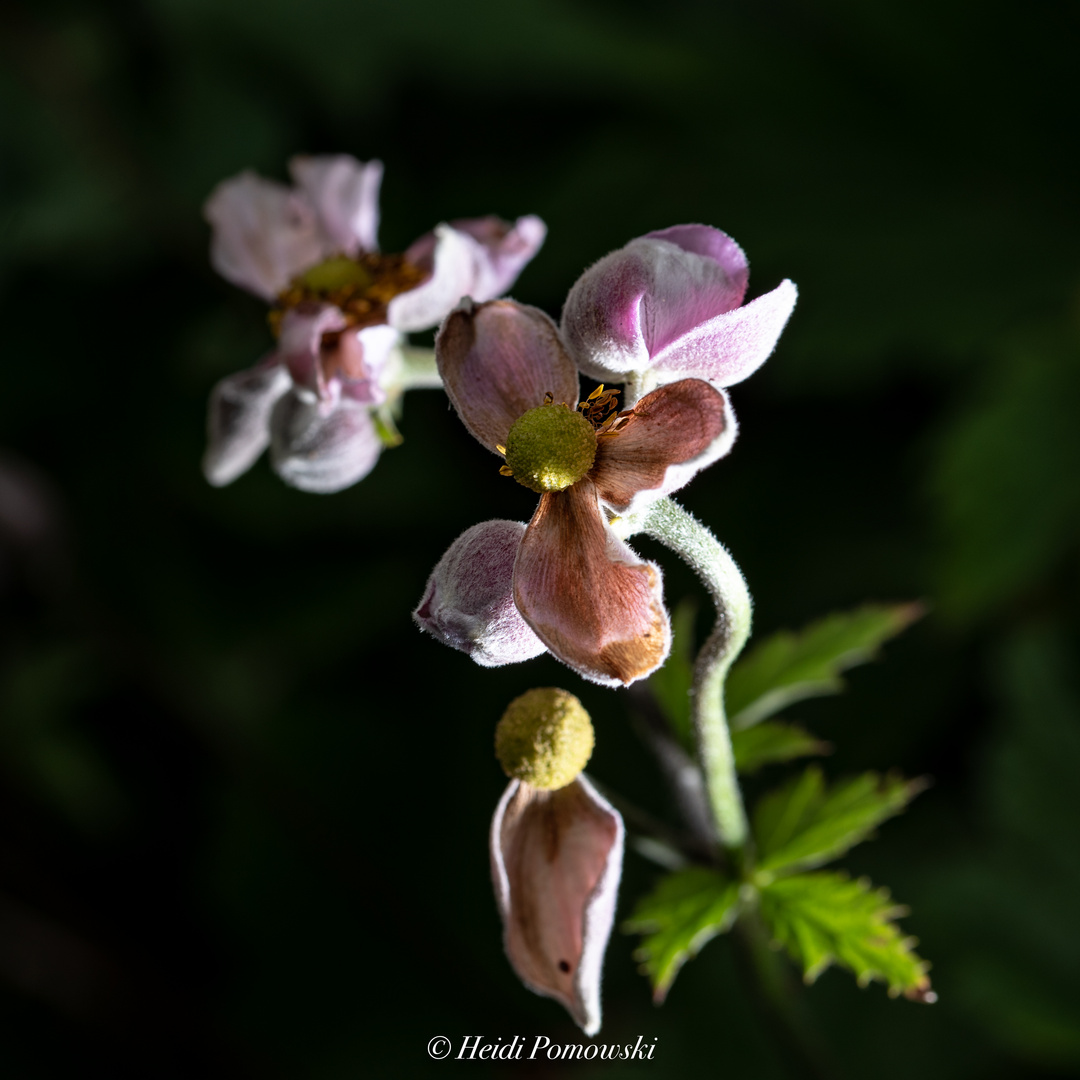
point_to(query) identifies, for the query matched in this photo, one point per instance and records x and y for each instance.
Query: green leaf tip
(828, 918)
(678, 918)
(771, 742)
(790, 666)
(805, 824)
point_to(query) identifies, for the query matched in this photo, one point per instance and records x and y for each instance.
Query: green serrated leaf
(802, 824)
(789, 667)
(684, 912)
(827, 918)
(771, 742)
(671, 683)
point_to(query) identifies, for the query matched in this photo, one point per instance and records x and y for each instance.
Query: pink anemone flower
(669, 305)
(588, 598)
(340, 310)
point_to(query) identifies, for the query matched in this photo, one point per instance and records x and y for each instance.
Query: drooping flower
(339, 310)
(669, 305)
(586, 595)
(556, 853)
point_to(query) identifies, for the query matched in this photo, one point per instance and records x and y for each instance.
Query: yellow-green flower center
(544, 738)
(550, 448)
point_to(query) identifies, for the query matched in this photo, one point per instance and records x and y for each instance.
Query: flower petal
(732, 346)
(264, 234)
(671, 434)
(595, 605)
(634, 302)
(556, 862)
(322, 449)
(497, 361)
(238, 420)
(451, 276)
(344, 193)
(300, 343)
(469, 600)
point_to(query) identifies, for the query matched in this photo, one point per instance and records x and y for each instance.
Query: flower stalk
(686, 536)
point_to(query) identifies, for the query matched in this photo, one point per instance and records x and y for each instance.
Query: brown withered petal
(672, 426)
(497, 361)
(556, 861)
(587, 596)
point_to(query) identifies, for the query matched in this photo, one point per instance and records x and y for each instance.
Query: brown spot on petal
(587, 596)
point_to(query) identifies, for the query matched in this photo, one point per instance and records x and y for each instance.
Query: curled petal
(595, 605)
(556, 862)
(344, 193)
(498, 360)
(670, 435)
(468, 603)
(300, 344)
(635, 302)
(322, 449)
(451, 275)
(730, 347)
(264, 234)
(238, 420)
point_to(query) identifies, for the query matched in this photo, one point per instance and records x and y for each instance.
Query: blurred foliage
(244, 804)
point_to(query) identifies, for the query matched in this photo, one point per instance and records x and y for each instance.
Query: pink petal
(264, 234)
(671, 434)
(469, 600)
(300, 343)
(344, 193)
(238, 420)
(634, 302)
(556, 862)
(451, 277)
(320, 449)
(497, 361)
(595, 605)
(732, 346)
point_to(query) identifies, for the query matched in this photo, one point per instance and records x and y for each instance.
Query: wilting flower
(669, 305)
(339, 310)
(556, 853)
(590, 599)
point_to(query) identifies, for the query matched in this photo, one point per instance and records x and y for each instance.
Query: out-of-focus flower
(556, 853)
(339, 310)
(669, 305)
(587, 596)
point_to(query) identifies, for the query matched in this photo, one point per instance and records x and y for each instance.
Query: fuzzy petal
(556, 862)
(672, 433)
(451, 277)
(497, 361)
(344, 193)
(264, 234)
(635, 302)
(730, 347)
(238, 420)
(595, 605)
(469, 599)
(320, 449)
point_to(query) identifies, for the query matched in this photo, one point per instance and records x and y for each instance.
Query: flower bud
(545, 738)
(469, 601)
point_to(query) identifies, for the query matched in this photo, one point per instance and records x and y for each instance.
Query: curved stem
(684, 534)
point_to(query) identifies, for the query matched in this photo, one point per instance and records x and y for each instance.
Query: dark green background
(243, 803)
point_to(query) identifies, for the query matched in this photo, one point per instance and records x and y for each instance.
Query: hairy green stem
(418, 369)
(684, 534)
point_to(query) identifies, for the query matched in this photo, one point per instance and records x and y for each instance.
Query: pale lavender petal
(634, 302)
(367, 353)
(556, 863)
(497, 361)
(300, 344)
(238, 420)
(670, 435)
(732, 346)
(264, 234)
(468, 603)
(320, 449)
(452, 274)
(344, 193)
